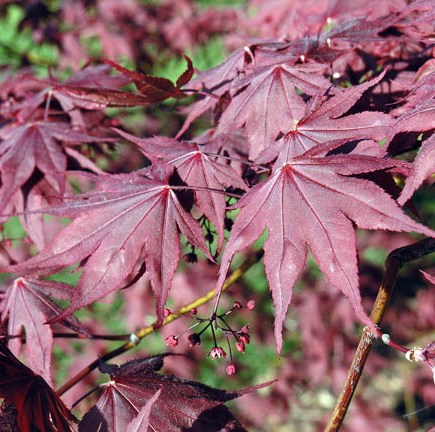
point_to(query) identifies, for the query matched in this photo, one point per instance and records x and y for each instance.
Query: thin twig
(395, 260)
(136, 337)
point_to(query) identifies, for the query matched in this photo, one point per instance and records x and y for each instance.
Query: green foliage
(17, 46)
(203, 57)
(13, 230)
(221, 3)
(375, 255)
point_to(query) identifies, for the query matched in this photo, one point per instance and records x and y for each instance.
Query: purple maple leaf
(312, 201)
(27, 305)
(182, 404)
(196, 169)
(270, 104)
(38, 408)
(129, 220)
(35, 145)
(324, 121)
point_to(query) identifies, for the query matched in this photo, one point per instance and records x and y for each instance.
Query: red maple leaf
(25, 93)
(196, 169)
(150, 88)
(26, 305)
(312, 123)
(420, 118)
(182, 404)
(269, 103)
(38, 407)
(35, 145)
(130, 219)
(422, 168)
(313, 201)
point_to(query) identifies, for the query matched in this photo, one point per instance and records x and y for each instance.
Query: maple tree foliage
(317, 125)
(179, 404)
(37, 405)
(27, 305)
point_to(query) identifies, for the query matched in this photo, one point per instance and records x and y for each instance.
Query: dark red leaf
(307, 125)
(312, 201)
(129, 220)
(38, 406)
(270, 104)
(26, 305)
(35, 145)
(104, 97)
(151, 89)
(182, 404)
(155, 88)
(196, 169)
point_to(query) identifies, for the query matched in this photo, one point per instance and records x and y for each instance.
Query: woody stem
(394, 262)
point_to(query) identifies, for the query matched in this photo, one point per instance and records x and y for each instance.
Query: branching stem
(394, 262)
(136, 337)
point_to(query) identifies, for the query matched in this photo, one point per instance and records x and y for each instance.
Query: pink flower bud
(245, 329)
(171, 341)
(250, 305)
(244, 337)
(217, 352)
(231, 369)
(167, 312)
(240, 346)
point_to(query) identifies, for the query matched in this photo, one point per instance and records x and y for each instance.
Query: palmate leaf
(270, 104)
(325, 120)
(129, 220)
(26, 305)
(37, 405)
(304, 124)
(182, 404)
(196, 169)
(313, 201)
(35, 145)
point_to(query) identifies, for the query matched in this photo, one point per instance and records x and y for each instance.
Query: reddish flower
(171, 341)
(240, 346)
(251, 304)
(217, 352)
(244, 337)
(231, 369)
(245, 329)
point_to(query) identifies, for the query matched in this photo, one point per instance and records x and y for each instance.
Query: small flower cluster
(218, 323)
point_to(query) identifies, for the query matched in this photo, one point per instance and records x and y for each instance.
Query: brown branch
(136, 337)
(395, 260)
